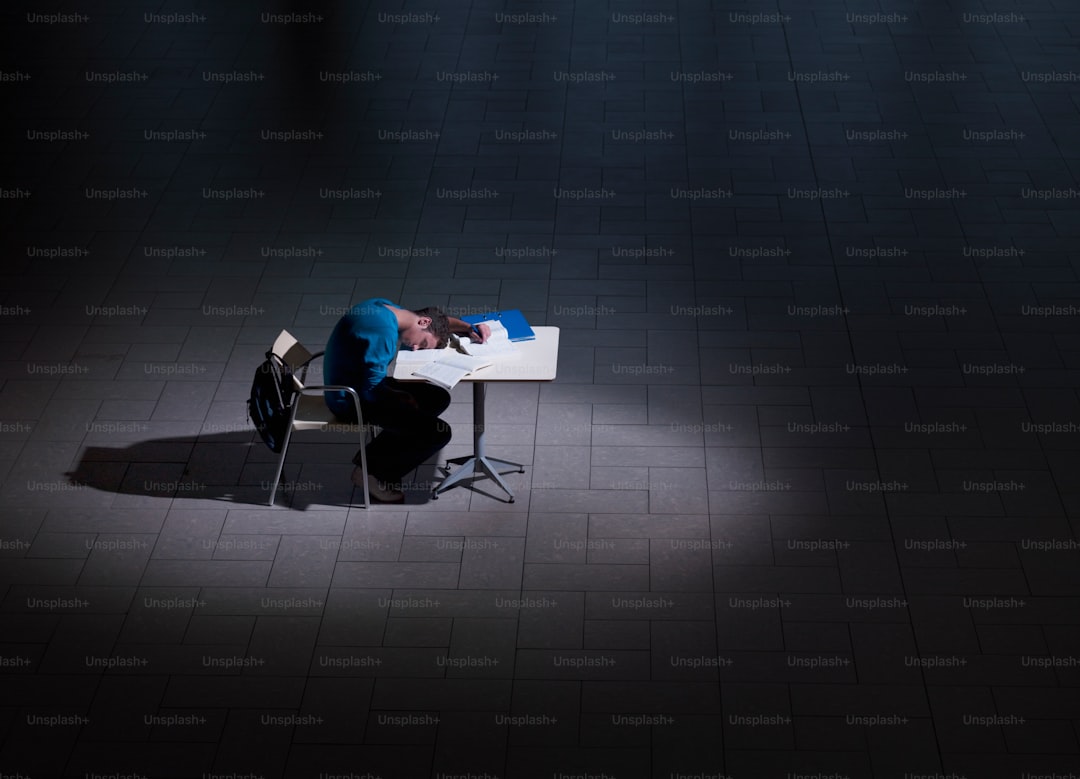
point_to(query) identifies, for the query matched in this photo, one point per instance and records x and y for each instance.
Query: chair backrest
(289, 349)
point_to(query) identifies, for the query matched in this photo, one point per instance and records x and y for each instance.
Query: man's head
(431, 330)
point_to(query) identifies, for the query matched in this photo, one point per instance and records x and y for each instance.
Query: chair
(309, 410)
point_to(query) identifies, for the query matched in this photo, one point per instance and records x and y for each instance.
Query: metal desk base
(478, 461)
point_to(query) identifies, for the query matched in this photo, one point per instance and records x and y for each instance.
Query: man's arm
(458, 327)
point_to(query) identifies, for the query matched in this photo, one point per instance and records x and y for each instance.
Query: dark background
(801, 501)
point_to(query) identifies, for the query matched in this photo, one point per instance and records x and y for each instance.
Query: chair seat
(313, 414)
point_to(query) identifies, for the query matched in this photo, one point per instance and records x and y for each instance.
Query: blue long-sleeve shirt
(363, 343)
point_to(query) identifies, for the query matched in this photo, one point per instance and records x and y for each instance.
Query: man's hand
(480, 333)
(460, 328)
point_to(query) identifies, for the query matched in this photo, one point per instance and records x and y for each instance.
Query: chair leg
(277, 473)
(281, 457)
(365, 434)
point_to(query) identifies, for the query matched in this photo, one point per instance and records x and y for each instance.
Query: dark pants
(409, 435)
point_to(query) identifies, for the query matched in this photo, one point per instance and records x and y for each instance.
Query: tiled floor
(800, 503)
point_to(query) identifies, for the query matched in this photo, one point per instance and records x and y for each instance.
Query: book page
(465, 362)
(498, 344)
(446, 376)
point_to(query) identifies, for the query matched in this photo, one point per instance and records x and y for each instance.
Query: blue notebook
(513, 320)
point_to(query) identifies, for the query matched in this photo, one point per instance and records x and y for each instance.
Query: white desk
(537, 361)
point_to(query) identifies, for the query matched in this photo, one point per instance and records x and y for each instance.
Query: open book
(446, 367)
(497, 346)
(449, 367)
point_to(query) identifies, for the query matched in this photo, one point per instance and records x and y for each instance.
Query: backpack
(272, 396)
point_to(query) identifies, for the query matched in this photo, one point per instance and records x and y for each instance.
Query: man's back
(362, 344)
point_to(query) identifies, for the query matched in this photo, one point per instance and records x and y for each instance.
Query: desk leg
(478, 461)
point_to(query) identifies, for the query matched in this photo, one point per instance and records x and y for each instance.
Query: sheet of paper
(421, 356)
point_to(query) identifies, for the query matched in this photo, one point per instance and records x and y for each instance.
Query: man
(360, 348)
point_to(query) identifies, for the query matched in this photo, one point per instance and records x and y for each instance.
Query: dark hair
(440, 325)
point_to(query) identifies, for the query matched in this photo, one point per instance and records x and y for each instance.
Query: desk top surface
(537, 360)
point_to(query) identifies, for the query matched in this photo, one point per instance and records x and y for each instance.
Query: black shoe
(380, 491)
